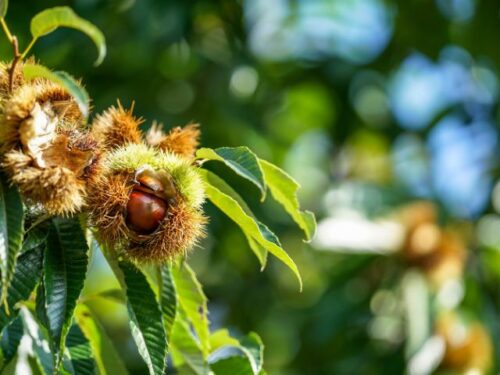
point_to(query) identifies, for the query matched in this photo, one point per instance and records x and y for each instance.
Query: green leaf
(234, 365)
(39, 342)
(221, 338)
(115, 295)
(237, 357)
(145, 318)
(241, 160)
(284, 190)
(74, 88)
(79, 352)
(36, 236)
(107, 359)
(254, 349)
(168, 298)
(11, 337)
(259, 251)
(187, 354)
(229, 202)
(193, 302)
(51, 19)
(11, 231)
(4, 4)
(26, 276)
(65, 267)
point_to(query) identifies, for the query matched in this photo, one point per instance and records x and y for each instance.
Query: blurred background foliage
(386, 112)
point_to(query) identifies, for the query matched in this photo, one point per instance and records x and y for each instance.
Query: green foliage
(80, 352)
(239, 159)
(11, 337)
(4, 5)
(146, 321)
(11, 231)
(193, 303)
(106, 357)
(168, 298)
(26, 276)
(65, 267)
(229, 202)
(51, 19)
(284, 189)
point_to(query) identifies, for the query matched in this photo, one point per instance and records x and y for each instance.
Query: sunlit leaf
(259, 251)
(106, 357)
(236, 357)
(187, 354)
(193, 302)
(11, 231)
(74, 88)
(241, 160)
(65, 266)
(39, 342)
(80, 352)
(221, 338)
(4, 4)
(115, 295)
(254, 349)
(51, 19)
(168, 298)
(229, 202)
(26, 275)
(284, 190)
(145, 318)
(10, 339)
(233, 365)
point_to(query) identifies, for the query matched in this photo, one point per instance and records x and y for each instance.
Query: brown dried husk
(116, 127)
(180, 140)
(56, 188)
(18, 108)
(70, 156)
(178, 233)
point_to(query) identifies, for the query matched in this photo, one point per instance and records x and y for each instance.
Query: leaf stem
(32, 43)
(17, 57)
(6, 29)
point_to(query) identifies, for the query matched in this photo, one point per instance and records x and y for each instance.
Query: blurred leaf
(145, 318)
(107, 359)
(259, 251)
(51, 19)
(11, 337)
(4, 4)
(238, 357)
(417, 311)
(26, 275)
(74, 88)
(80, 352)
(284, 190)
(65, 266)
(115, 295)
(235, 365)
(254, 349)
(241, 160)
(221, 338)
(11, 231)
(39, 342)
(229, 202)
(186, 352)
(168, 298)
(193, 302)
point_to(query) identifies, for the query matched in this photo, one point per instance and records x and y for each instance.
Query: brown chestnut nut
(145, 211)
